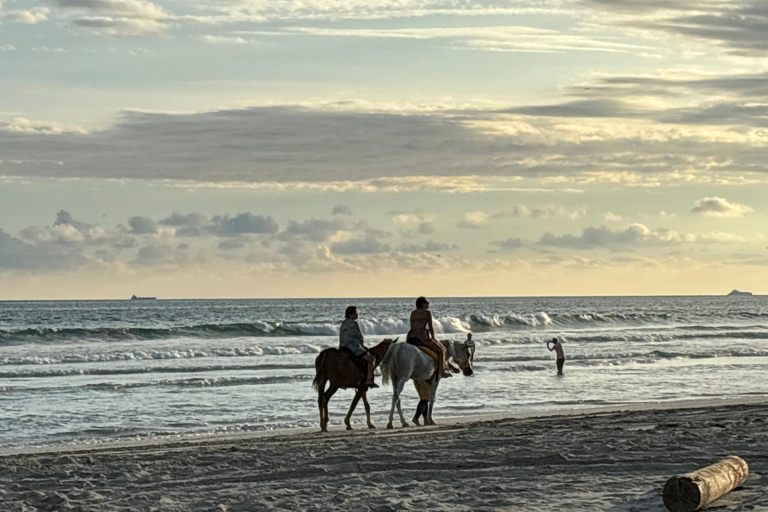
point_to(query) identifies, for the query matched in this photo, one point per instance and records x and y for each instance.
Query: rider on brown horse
(351, 340)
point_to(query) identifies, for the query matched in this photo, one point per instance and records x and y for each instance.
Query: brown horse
(337, 367)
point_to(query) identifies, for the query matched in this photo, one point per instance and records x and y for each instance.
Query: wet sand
(600, 460)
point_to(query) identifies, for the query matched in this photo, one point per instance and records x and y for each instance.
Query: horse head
(463, 354)
(381, 349)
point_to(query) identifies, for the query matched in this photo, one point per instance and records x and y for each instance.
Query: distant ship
(737, 293)
(133, 297)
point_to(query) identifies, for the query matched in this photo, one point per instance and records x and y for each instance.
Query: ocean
(87, 372)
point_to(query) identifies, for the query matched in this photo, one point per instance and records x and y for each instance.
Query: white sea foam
(189, 366)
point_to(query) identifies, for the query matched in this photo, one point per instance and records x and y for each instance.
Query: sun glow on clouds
(569, 116)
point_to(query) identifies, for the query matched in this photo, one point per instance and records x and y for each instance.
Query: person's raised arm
(550, 348)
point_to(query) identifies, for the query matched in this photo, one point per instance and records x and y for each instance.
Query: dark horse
(337, 366)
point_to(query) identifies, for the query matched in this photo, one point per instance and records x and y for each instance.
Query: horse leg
(428, 416)
(327, 398)
(423, 389)
(358, 394)
(421, 409)
(321, 405)
(397, 387)
(367, 411)
(400, 412)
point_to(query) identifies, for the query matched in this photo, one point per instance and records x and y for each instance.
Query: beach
(603, 459)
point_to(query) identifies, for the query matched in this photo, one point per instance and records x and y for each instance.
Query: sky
(372, 148)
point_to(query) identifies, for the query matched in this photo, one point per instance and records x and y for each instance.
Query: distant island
(737, 293)
(133, 297)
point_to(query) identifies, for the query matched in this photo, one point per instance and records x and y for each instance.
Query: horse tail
(386, 365)
(321, 375)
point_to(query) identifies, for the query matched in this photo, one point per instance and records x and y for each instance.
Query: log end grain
(681, 495)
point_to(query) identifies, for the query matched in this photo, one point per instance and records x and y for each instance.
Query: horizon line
(381, 297)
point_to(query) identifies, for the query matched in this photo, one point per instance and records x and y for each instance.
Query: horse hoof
(349, 427)
(389, 426)
(405, 424)
(371, 426)
(323, 429)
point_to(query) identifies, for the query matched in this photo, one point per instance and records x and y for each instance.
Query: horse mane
(379, 351)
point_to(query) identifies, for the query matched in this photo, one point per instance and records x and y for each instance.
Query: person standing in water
(422, 333)
(558, 348)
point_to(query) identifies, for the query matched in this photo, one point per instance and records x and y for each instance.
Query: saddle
(358, 361)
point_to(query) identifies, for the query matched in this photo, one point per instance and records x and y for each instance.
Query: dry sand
(606, 460)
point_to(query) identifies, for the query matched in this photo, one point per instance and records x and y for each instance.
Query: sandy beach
(601, 460)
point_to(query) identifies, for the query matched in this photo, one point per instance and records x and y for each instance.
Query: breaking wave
(475, 322)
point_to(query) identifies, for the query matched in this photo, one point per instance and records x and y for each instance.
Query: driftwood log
(700, 488)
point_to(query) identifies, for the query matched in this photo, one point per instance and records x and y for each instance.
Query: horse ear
(396, 339)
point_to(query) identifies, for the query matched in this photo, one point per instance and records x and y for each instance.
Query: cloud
(16, 254)
(738, 27)
(510, 244)
(28, 17)
(341, 209)
(487, 38)
(381, 9)
(414, 217)
(179, 219)
(117, 17)
(541, 212)
(404, 151)
(596, 237)
(473, 220)
(142, 226)
(231, 244)
(20, 125)
(316, 230)
(156, 254)
(360, 245)
(243, 223)
(427, 247)
(113, 26)
(67, 232)
(714, 238)
(138, 8)
(720, 207)
(414, 223)
(64, 217)
(635, 235)
(210, 39)
(425, 228)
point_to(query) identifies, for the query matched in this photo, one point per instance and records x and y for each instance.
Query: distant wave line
(372, 327)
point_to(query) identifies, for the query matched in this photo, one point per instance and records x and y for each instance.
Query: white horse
(404, 361)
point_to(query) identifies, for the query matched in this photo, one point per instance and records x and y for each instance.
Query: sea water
(75, 372)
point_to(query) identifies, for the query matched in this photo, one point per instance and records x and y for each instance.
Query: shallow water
(82, 372)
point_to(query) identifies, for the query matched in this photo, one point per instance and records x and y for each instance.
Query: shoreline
(602, 459)
(443, 422)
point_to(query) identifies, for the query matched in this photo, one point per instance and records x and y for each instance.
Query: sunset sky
(287, 148)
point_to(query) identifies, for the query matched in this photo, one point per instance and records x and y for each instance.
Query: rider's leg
(371, 362)
(438, 349)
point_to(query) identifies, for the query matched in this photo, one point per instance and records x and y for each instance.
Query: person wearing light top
(558, 348)
(351, 340)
